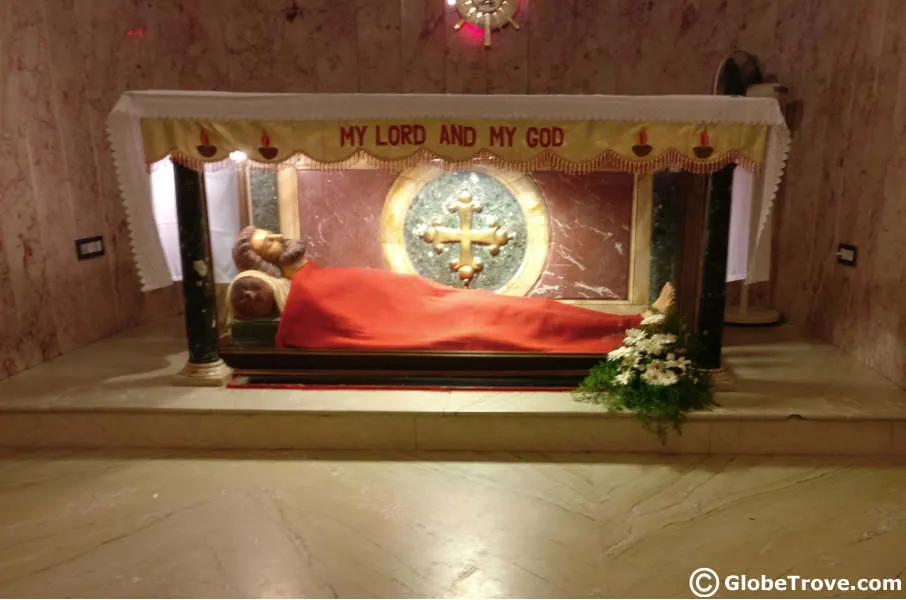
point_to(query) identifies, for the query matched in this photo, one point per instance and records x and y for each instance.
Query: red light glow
(472, 32)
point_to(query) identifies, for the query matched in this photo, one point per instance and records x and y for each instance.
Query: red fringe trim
(547, 160)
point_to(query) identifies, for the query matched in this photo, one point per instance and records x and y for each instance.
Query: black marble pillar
(714, 268)
(197, 268)
(666, 230)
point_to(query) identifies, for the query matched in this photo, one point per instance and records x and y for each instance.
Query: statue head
(260, 250)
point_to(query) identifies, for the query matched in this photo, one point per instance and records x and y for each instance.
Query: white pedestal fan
(749, 257)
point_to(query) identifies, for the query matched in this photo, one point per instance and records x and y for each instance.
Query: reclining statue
(374, 309)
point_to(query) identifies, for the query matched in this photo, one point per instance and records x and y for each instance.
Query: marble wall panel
(340, 216)
(549, 46)
(701, 32)
(632, 63)
(423, 45)
(263, 197)
(592, 58)
(248, 37)
(68, 61)
(844, 179)
(55, 215)
(9, 333)
(507, 63)
(34, 334)
(189, 60)
(336, 52)
(377, 27)
(91, 287)
(117, 63)
(295, 55)
(591, 218)
(466, 68)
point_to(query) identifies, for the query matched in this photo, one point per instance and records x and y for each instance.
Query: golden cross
(466, 265)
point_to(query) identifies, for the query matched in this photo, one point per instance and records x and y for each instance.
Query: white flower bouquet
(651, 375)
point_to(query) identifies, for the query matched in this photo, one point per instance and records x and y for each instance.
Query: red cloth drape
(371, 309)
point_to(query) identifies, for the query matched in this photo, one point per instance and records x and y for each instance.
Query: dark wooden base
(429, 368)
(413, 382)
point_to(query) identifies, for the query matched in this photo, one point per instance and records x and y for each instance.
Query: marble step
(788, 395)
(485, 426)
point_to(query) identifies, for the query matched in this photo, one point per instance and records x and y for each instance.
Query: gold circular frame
(410, 183)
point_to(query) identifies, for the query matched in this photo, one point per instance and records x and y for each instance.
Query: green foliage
(658, 407)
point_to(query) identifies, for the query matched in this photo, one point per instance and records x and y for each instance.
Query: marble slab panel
(377, 27)
(293, 51)
(591, 219)
(336, 49)
(423, 45)
(32, 333)
(465, 65)
(340, 214)
(507, 64)
(263, 196)
(590, 227)
(593, 68)
(843, 184)
(551, 46)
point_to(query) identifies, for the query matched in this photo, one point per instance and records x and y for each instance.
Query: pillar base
(215, 374)
(751, 316)
(722, 378)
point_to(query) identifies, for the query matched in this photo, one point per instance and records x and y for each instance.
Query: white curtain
(163, 193)
(749, 255)
(222, 189)
(740, 224)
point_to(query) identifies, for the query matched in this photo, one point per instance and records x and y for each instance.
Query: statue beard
(293, 253)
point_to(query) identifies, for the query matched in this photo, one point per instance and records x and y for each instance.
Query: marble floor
(152, 524)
